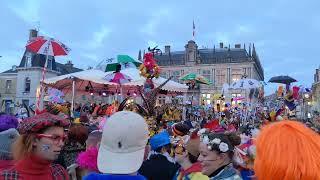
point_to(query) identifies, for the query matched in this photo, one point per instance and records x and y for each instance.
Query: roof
(211, 56)
(65, 69)
(10, 71)
(207, 56)
(37, 60)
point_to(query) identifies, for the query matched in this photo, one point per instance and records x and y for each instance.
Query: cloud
(26, 10)
(155, 20)
(99, 36)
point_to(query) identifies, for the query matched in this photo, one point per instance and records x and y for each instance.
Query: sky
(285, 33)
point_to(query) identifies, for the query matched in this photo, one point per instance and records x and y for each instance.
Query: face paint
(46, 147)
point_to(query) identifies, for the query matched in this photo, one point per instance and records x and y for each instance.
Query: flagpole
(43, 77)
(193, 30)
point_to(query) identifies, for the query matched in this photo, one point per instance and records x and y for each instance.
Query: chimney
(167, 49)
(33, 34)
(221, 45)
(69, 64)
(237, 46)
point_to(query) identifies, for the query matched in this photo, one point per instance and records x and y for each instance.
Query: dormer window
(28, 58)
(49, 65)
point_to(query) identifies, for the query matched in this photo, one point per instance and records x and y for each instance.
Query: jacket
(158, 167)
(228, 173)
(96, 176)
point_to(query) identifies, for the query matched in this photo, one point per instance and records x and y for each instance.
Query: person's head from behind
(78, 133)
(287, 150)
(123, 143)
(94, 139)
(42, 135)
(161, 143)
(8, 135)
(216, 150)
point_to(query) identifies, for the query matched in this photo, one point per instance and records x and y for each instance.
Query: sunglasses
(55, 138)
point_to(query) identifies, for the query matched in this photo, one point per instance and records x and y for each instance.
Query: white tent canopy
(92, 75)
(97, 76)
(138, 80)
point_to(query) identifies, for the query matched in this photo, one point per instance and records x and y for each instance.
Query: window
(191, 55)
(237, 98)
(161, 100)
(207, 74)
(27, 84)
(206, 99)
(8, 86)
(249, 73)
(220, 76)
(164, 74)
(49, 65)
(28, 59)
(236, 74)
(176, 76)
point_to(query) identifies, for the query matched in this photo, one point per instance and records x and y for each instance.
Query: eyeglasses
(55, 138)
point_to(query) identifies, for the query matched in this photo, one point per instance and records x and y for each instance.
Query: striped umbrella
(197, 78)
(124, 60)
(49, 47)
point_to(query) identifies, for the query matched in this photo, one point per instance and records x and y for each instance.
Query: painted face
(49, 144)
(210, 160)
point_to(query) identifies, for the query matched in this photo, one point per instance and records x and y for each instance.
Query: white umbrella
(138, 80)
(245, 84)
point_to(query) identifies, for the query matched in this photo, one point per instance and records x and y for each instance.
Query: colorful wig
(287, 150)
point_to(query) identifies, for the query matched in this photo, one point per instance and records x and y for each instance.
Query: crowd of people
(120, 145)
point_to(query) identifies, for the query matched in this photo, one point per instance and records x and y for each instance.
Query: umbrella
(119, 78)
(245, 84)
(49, 47)
(124, 60)
(195, 77)
(282, 79)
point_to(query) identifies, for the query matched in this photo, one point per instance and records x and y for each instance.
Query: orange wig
(287, 150)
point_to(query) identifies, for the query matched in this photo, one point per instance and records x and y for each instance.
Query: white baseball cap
(123, 143)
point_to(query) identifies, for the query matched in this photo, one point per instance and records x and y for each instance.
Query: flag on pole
(194, 28)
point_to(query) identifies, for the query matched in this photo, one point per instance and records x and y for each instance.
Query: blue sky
(285, 33)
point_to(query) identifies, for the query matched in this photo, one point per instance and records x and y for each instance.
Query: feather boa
(88, 159)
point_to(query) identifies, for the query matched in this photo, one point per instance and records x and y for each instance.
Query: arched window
(27, 84)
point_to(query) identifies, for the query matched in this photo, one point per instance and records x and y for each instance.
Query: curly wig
(287, 150)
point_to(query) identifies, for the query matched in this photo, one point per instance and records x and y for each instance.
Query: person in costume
(287, 150)
(159, 165)
(39, 144)
(8, 135)
(75, 144)
(122, 148)
(216, 154)
(186, 154)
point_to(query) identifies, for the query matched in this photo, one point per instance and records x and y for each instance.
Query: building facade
(21, 83)
(316, 90)
(222, 65)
